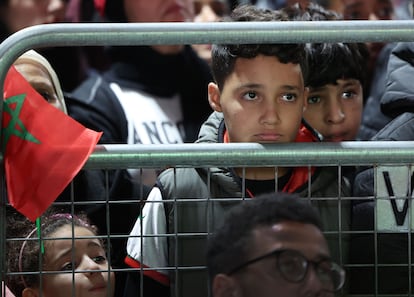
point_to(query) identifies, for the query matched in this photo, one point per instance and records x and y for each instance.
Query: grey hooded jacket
(196, 200)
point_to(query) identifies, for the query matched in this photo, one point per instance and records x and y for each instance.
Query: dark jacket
(398, 97)
(210, 186)
(383, 214)
(373, 118)
(95, 105)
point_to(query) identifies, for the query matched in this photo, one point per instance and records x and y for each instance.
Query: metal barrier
(393, 154)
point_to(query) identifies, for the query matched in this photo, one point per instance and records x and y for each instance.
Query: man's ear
(225, 286)
(29, 292)
(214, 97)
(305, 98)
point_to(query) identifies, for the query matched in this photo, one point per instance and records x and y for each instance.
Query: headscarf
(33, 57)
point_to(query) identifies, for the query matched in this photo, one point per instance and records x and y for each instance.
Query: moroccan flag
(43, 147)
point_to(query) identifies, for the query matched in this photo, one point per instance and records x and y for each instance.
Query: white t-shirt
(151, 120)
(151, 251)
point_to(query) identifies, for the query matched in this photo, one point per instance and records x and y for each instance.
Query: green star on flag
(15, 126)
(43, 147)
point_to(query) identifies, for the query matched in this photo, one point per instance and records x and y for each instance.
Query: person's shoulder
(94, 87)
(211, 129)
(325, 173)
(325, 180)
(169, 174)
(402, 49)
(181, 182)
(399, 129)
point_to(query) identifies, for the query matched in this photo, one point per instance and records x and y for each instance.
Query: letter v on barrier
(399, 215)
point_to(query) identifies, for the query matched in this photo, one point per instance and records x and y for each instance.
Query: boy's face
(262, 100)
(335, 110)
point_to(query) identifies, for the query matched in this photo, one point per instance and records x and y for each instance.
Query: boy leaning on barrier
(336, 76)
(259, 96)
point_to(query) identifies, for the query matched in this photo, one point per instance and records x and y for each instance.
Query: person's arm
(144, 250)
(95, 105)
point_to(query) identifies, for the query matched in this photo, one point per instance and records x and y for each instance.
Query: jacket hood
(398, 96)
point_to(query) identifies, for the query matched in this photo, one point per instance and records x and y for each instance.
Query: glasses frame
(276, 253)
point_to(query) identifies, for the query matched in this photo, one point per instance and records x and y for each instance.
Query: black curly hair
(24, 246)
(231, 242)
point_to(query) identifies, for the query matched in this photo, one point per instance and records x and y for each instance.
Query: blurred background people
(209, 11)
(372, 119)
(69, 62)
(151, 94)
(88, 191)
(335, 5)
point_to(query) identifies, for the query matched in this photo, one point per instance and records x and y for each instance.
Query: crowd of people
(218, 231)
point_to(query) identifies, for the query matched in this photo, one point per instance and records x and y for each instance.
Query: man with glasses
(272, 243)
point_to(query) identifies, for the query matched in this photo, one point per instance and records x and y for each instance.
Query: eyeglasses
(293, 266)
(219, 7)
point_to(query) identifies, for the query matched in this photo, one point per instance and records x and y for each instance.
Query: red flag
(43, 147)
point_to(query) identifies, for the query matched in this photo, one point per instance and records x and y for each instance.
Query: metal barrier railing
(192, 155)
(198, 33)
(252, 154)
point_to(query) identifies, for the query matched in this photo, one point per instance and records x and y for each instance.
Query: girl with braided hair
(58, 256)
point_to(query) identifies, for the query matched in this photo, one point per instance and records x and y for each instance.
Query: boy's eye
(314, 99)
(348, 95)
(250, 96)
(99, 259)
(289, 97)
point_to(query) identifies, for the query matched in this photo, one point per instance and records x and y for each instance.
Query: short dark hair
(328, 62)
(224, 56)
(311, 12)
(229, 245)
